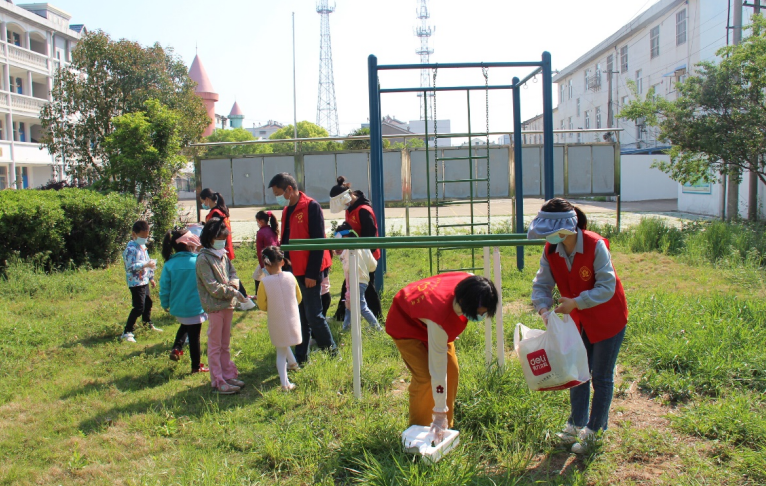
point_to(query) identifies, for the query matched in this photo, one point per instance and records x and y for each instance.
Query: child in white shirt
(366, 264)
(280, 297)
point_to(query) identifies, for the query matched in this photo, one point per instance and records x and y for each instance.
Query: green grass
(77, 406)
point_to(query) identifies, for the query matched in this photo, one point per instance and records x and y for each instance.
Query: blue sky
(246, 47)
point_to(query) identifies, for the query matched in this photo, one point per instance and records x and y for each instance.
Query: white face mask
(340, 202)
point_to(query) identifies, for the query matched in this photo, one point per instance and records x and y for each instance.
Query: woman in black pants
(360, 216)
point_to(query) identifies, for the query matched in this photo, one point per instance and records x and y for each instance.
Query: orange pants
(415, 355)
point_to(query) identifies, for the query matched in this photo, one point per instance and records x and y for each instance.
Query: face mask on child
(205, 206)
(141, 241)
(219, 244)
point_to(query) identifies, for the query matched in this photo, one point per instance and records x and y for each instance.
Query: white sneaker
(586, 441)
(128, 336)
(150, 325)
(569, 434)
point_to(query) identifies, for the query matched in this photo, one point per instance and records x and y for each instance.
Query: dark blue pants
(313, 322)
(602, 358)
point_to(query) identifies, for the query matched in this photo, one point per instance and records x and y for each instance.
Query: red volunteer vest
(352, 218)
(217, 213)
(430, 298)
(299, 229)
(602, 321)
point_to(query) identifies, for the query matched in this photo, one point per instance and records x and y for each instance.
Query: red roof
(236, 110)
(198, 74)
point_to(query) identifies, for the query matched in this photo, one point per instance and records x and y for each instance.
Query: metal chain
(436, 157)
(485, 72)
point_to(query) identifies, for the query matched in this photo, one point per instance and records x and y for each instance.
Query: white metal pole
(498, 278)
(487, 321)
(356, 328)
(295, 103)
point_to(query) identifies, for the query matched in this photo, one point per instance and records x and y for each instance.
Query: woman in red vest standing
(578, 262)
(362, 219)
(302, 218)
(217, 206)
(425, 318)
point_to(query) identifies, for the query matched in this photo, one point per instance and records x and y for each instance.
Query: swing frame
(542, 66)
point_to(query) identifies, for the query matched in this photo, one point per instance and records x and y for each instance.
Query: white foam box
(417, 440)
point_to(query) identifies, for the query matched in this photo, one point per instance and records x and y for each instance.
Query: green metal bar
(391, 243)
(448, 181)
(455, 203)
(461, 269)
(416, 239)
(471, 157)
(463, 225)
(428, 179)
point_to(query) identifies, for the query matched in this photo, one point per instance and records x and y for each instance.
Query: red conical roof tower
(205, 91)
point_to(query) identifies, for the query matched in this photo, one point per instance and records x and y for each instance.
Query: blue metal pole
(548, 124)
(517, 171)
(376, 162)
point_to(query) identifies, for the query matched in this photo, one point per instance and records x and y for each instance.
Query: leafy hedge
(66, 227)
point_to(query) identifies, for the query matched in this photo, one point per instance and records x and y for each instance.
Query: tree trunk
(732, 198)
(752, 199)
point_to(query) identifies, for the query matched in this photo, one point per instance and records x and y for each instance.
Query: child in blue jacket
(179, 295)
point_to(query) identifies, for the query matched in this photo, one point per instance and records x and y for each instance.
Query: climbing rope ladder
(475, 155)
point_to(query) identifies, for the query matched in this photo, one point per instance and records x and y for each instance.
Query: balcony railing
(4, 100)
(26, 103)
(25, 56)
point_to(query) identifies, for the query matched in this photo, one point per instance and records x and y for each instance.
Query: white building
(264, 131)
(35, 39)
(442, 126)
(656, 49)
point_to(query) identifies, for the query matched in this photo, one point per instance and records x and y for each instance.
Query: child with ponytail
(280, 298)
(179, 295)
(268, 229)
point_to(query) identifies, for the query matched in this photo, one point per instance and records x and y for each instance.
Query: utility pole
(732, 203)
(752, 197)
(295, 103)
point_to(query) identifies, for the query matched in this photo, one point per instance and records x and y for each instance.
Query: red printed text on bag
(538, 362)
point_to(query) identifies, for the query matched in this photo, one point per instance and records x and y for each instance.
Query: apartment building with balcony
(657, 49)
(35, 40)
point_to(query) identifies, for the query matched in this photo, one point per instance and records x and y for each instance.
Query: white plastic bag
(554, 359)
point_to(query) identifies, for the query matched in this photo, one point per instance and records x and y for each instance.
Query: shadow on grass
(555, 467)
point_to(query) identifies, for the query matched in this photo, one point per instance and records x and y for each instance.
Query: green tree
(142, 157)
(306, 129)
(105, 80)
(235, 135)
(361, 144)
(410, 143)
(717, 125)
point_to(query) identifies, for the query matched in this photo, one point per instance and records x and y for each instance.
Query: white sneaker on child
(569, 434)
(288, 387)
(128, 336)
(586, 441)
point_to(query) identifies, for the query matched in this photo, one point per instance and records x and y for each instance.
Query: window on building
(578, 106)
(570, 87)
(22, 132)
(598, 117)
(1, 131)
(14, 38)
(625, 100)
(654, 41)
(571, 127)
(639, 131)
(19, 86)
(587, 119)
(657, 93)
(561, 93)
(624, 59)
(681, 27)
(3, 178)
(639, 82)
(587, 79)
(22, 178)
(609, 64)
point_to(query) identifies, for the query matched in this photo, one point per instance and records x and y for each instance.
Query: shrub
(653, 234)
(69, 226)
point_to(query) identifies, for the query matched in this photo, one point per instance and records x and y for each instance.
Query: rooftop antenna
(327, 110)
(424, 33)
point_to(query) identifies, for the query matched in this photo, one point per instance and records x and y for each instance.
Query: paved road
(244, 226)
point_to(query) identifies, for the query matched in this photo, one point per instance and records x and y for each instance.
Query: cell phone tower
(424, 33)
(327, 110)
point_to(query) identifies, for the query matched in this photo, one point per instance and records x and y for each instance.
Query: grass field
(77, 406)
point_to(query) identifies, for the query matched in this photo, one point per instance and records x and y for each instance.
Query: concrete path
(244, 226)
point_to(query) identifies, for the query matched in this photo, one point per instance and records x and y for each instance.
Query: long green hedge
(70, 226)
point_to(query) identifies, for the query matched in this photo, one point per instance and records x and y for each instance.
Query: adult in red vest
(302, 218)
(217, 206)
(362, 219)
(578, 262)
(424, 320)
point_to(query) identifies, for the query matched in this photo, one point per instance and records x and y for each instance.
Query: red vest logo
(299, 217)
(538, 362)
(585, 273)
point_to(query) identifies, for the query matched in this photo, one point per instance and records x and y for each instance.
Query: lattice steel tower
(327, 110)
(424, 32)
